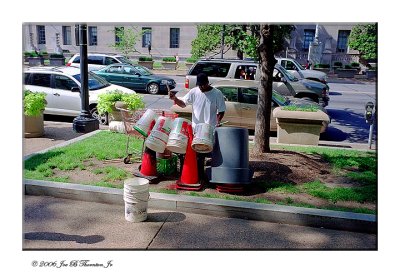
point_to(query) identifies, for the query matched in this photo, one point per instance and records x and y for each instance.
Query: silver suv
(62, 87)
(284, 82)
(98, 61)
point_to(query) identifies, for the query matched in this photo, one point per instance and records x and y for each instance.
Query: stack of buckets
(136, 197)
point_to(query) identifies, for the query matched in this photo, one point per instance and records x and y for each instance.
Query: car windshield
(287, 74)
(143, 70)
(95, 82)
(299, 66)
(279, 99)
(123, 60)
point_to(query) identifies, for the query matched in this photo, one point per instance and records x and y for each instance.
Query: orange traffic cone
(148, 168)
(189, 177)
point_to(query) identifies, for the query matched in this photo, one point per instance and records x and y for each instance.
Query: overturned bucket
(136, 197)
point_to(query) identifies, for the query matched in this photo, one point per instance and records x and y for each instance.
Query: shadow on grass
(38, 159)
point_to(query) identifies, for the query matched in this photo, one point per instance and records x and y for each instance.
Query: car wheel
(102, 118)
(153, 88)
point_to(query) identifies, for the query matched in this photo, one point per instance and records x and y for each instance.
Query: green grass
(281, 187)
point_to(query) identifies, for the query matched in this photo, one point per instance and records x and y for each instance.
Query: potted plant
(34, 105)
(107, 104)
(299, 124)
(168, 63)
(347, 72)
(322, 67)
(146, 62)
(189, 62)
(57, 59)
(371, 72)
(35, 58)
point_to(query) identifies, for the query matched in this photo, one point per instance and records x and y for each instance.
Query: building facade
(170, 39)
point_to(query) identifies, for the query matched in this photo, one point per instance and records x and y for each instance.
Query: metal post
(371, 128)
(84, 123)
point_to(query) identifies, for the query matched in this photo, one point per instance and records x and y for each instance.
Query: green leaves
(34, 103)
(127, 40)
(364, 39)
(106, 101)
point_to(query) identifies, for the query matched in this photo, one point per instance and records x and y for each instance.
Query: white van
(98, 61)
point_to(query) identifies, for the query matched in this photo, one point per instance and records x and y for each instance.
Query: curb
(349, 221)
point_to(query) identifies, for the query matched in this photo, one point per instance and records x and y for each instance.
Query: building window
(92, 36)
(308, 38)
(146, 37)
(174, 38)
(343, 38)
(66, 32)
(119, 32)
(41, 34)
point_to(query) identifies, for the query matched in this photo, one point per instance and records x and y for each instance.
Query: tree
(267, 63)
(364, 39)
(127, 40)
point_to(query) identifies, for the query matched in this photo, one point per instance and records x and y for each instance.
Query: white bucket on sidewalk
(136, 196)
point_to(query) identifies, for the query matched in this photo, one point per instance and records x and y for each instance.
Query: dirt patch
(291, 168)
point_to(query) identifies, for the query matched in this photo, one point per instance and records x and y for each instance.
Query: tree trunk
(267, 62)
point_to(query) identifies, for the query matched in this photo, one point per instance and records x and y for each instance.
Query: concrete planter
(57, 61)
(299, 127)
(370, 74)
(346, 73)
(34, 126)
(35, 61)
(147, 64)
(169, 65)
(325, 70)
(189, 65)
(115, 121)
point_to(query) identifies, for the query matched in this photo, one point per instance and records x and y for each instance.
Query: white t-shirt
(205, 106)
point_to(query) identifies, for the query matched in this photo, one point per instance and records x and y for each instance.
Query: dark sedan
(137, 77)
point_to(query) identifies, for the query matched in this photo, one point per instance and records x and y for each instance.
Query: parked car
(284, 83)
(241, 104)
(297, 70)
(137, 77)
(98, 61)
(62, 86)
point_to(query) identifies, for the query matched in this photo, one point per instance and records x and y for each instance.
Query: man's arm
(220, 115)
(177, 101)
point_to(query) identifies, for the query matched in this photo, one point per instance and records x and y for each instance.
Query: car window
(95, 60)
(143, 70)
(63, 82)
(289, 65)
(246, 72)
(298, 65)
(279, 99)
(77, 60)
(95, 82)
(115, 69)
(249, 95)
(123, 60)
(230, 93)
(110, 60)
(129, 70)
(211, 69)
(41, 79)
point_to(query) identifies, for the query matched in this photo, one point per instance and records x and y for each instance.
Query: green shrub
(348, 66)
(305, 108)
(106, 101)
(355, 65)
(56, 56)
(34, 103)
(322, 66)
(169, 59)
(340, 64)
(145, 59)
(191, 60)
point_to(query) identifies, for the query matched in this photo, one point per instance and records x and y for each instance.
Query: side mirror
(283, 80)
(75, 89)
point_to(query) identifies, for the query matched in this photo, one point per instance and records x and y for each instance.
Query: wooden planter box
(34, 126)
(57, 61)
(169, 65)
(35, 61)
(147, 64)
(298, 127)
(346, 73)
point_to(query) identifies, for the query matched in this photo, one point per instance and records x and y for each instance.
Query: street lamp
(84, 123)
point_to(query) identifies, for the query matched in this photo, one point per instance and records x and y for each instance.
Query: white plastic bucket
(203, 138)
(158, 138)
(178, 138)
(143, 124)
(136, 197)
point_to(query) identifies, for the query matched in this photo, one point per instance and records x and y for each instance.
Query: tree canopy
(364, 39)
(244, 38)
(127, 40)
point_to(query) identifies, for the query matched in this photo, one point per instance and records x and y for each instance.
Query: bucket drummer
(208, 106)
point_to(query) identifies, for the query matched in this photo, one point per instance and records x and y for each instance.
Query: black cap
(202, 79)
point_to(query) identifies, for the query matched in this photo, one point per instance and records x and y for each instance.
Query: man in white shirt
(208, 106)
